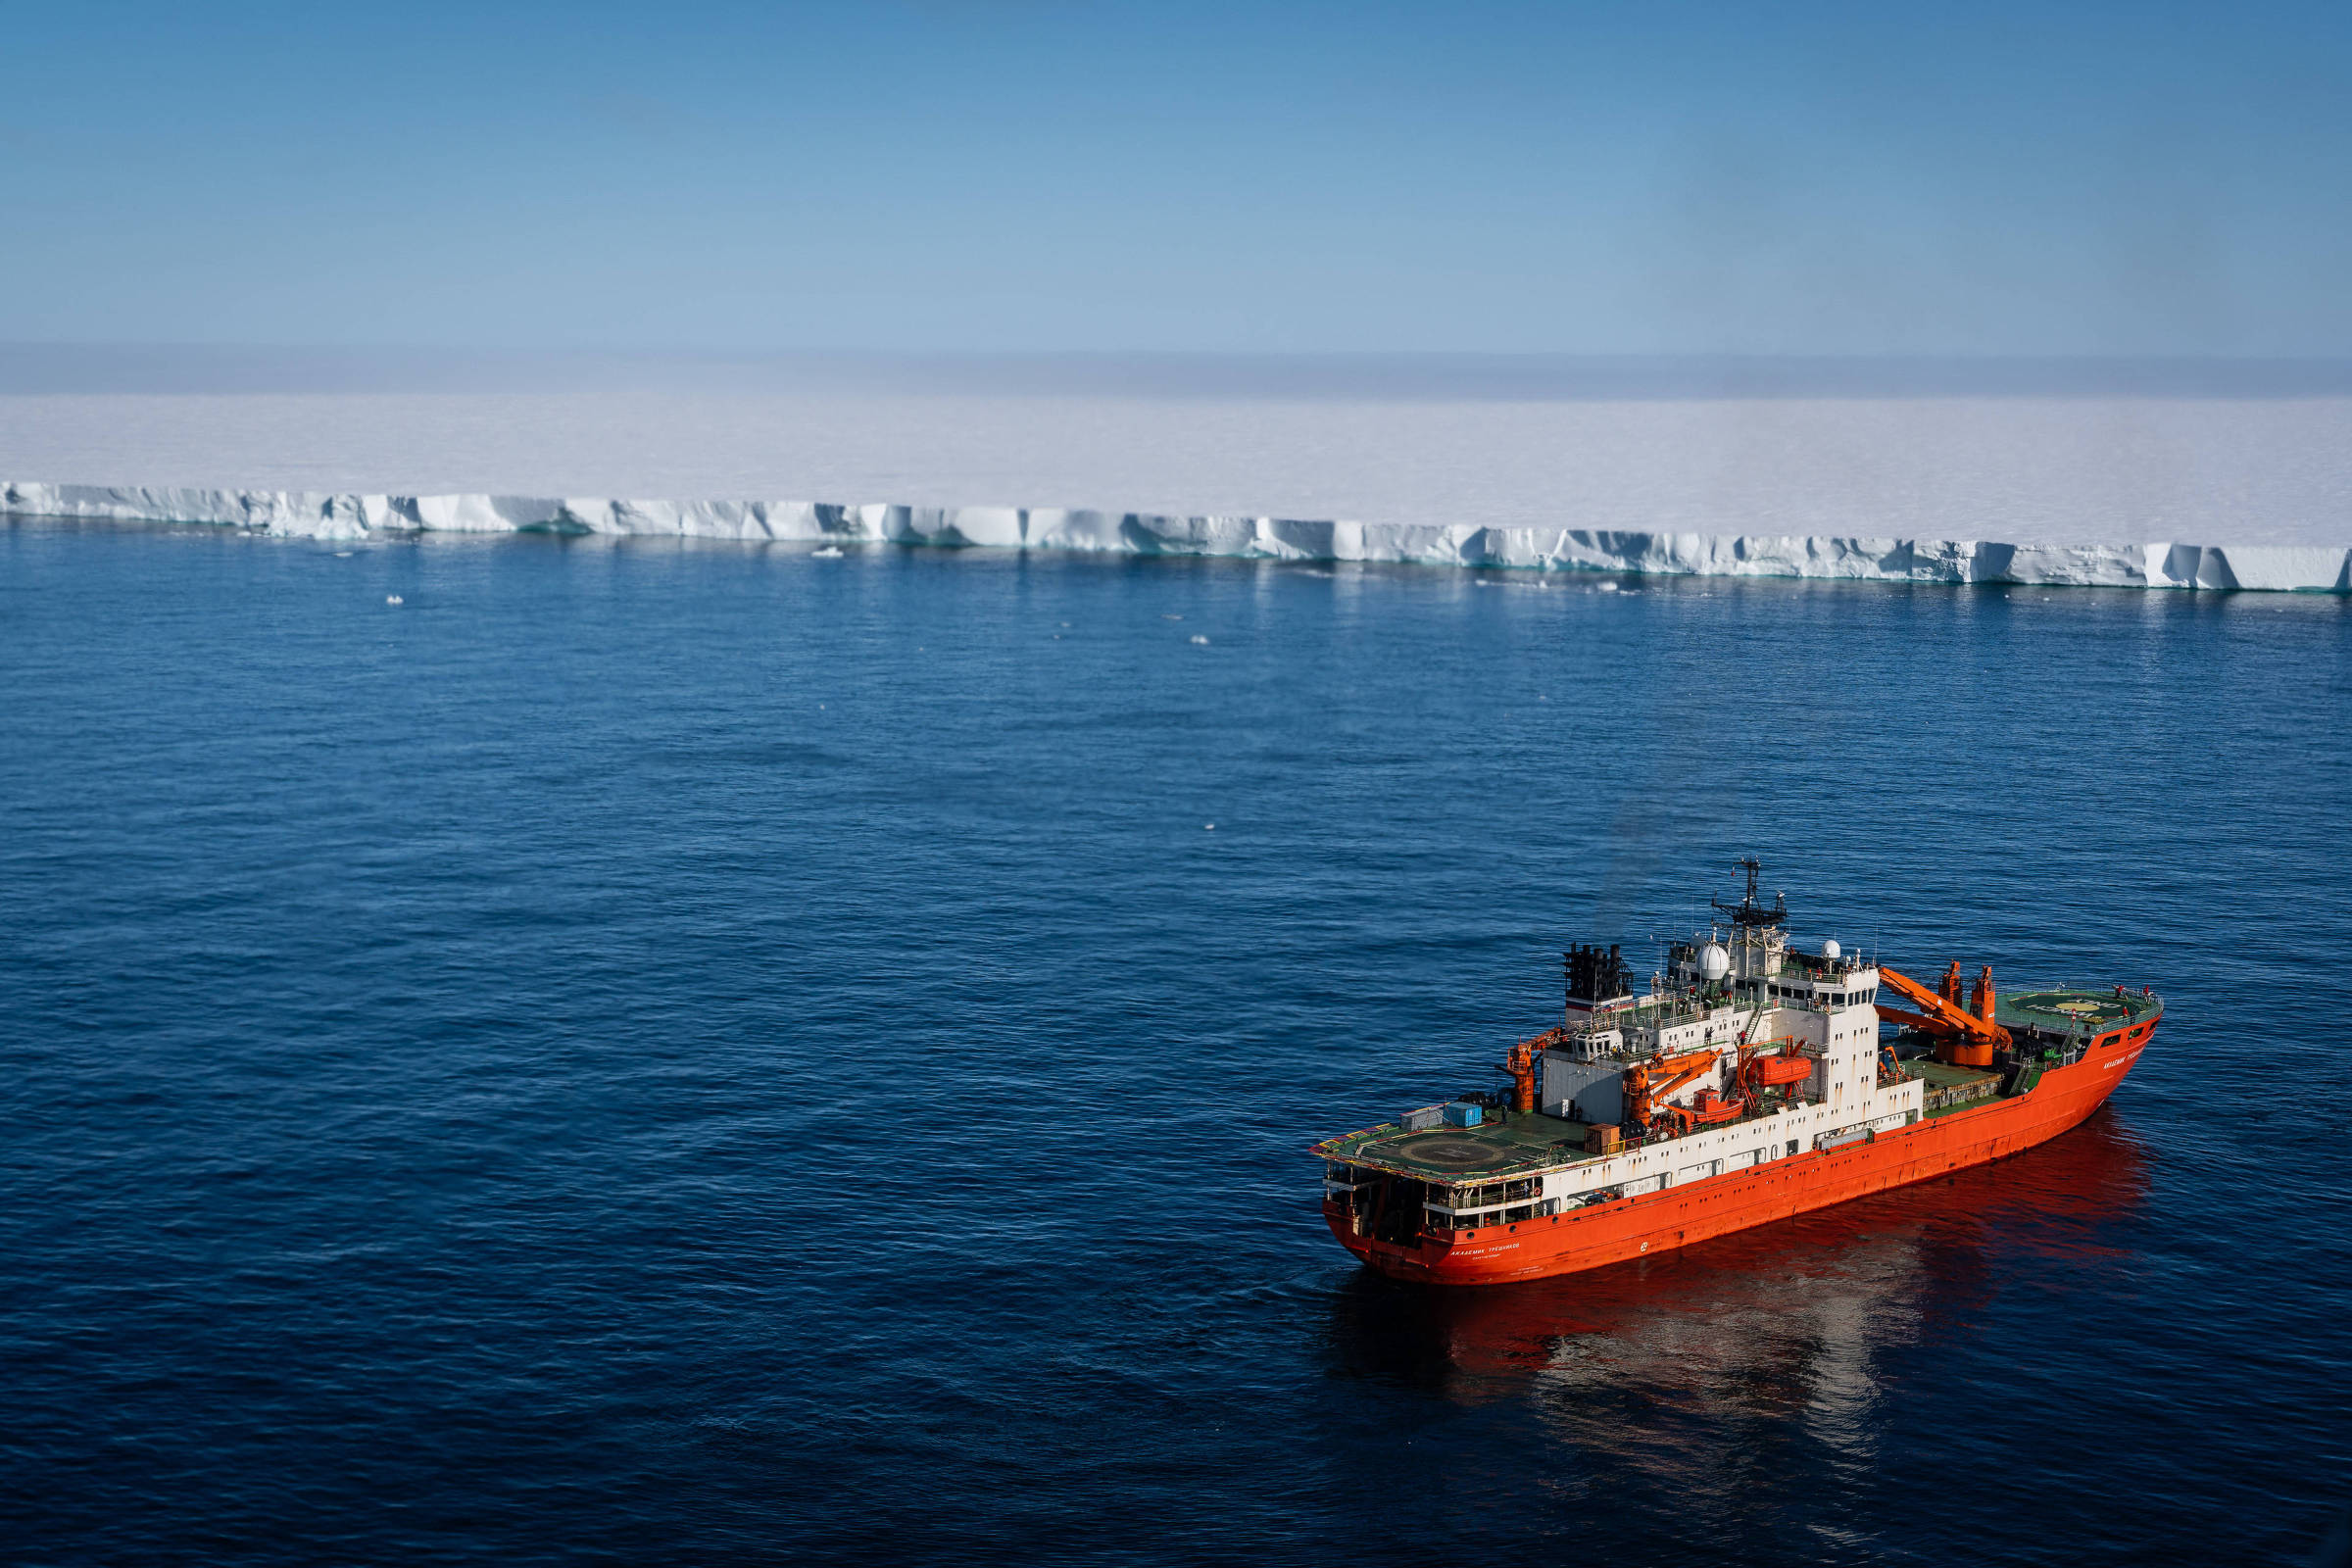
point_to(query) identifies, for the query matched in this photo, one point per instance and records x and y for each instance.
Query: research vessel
(1748, 1082)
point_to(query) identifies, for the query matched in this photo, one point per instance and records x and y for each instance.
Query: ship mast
(1750, 911)
(1751, 918)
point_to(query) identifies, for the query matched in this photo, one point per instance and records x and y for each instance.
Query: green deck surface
(2070, 1007)
(1507, 1143)
(1942, 1075)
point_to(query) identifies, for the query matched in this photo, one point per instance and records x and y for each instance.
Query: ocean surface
(692, 1053)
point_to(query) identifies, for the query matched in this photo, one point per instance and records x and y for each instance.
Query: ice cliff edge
(341, 516)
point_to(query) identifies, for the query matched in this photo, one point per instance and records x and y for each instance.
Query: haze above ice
(2024, 469)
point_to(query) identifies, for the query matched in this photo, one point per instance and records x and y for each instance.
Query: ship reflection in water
(1795, 1323)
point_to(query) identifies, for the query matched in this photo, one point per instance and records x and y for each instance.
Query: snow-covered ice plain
(2153, 491)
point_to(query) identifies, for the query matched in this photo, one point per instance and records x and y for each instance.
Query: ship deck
(1507, 1143)
(1948, 1087)
(2064, 1008)
(1943, 1075)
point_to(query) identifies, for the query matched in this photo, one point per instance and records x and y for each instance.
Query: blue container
(1459, 1114)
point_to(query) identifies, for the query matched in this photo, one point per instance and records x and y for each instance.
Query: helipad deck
(1508, 1143)
(2074, 1009)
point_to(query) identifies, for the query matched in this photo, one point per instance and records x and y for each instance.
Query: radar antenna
(1751, 911)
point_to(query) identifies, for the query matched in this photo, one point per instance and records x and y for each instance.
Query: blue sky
(961, 175)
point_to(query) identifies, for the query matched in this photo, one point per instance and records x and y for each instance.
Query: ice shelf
(2321, 568)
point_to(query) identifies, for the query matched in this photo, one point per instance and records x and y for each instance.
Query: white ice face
(343, 515)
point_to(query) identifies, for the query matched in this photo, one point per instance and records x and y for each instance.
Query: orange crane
(1647, 1085)
(1521, 1065)
(1965, 1036)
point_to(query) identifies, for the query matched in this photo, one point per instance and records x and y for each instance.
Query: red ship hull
(1676, 1217)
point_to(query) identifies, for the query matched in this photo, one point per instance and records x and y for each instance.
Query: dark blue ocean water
(675, 1053)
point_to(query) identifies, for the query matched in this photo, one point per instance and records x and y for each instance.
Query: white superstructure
(1744, 995)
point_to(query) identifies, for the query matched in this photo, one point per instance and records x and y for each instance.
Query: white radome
(1831, 949)
(1713, 962)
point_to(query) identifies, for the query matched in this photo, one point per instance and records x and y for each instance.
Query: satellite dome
(1831, 949)
(1713, 962)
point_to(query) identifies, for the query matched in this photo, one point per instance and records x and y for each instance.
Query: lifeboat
(1778, 1071)
(1711, 1108)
